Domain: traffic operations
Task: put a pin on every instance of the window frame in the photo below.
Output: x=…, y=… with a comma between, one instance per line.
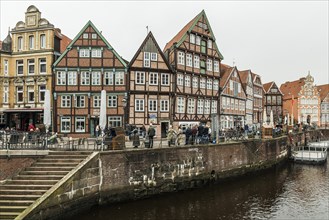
x=152, y=105
x=66, y=124
x=139, y=105
x=82, y=121
x=146, y=59
x=165, y=79
x=140, y=77
x=112, y=101
x=153, y=78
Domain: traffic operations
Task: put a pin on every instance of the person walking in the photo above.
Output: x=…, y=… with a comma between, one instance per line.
x=188, y=134
x=151, y=134
x=135, y=138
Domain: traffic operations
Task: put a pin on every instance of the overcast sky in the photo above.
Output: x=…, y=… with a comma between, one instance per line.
x=279, y=40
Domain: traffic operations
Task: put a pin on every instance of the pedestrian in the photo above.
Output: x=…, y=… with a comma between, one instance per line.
x=188, y=134
x=170, y=136
x=151, y=134
x=180, y=135
x=31, y=127
x=194, y=133
x=200, y=132
x=135, y=138
x=97, y=130
x=143, y=131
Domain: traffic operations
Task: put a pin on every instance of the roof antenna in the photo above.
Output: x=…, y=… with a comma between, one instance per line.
x=147, y=30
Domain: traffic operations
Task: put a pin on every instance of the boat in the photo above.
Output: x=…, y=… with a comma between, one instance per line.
x=313, y=153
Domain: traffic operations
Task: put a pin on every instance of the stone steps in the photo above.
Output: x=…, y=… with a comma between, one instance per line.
x=30, y=184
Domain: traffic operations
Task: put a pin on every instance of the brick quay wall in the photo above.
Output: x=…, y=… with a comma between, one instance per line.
x=116, y=176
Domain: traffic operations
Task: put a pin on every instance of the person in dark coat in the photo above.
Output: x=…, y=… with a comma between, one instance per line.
x=135, y=138
x=151, y=134
x=188, y=134
x=200, y=132
x=194, y=132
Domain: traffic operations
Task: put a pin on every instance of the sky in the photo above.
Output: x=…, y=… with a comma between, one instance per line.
x=279, y=40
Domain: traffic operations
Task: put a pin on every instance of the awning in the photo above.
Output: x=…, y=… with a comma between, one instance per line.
x=17, y=110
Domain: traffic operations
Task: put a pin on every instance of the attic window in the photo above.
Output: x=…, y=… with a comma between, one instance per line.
x=94, y=36
x=198, y=40
x=192, y=38
x=85, y=36
x=202, y=25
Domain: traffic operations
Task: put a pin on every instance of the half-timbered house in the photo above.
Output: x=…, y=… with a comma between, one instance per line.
x=248, y=86
x=258, y=100
x=88, y=66
x=233, y=99
x=273, y=101
x=195, y=58
x=150, y=88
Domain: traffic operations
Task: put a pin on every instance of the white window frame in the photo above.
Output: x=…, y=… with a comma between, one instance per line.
x=42, y=62
x=5, y=94
x=202, y=83
x=200, y=107
x=196, y=61
x=146, y=61
x=209, y=83
x=85, y=36
x=152, y=105
x=180, y=79
x=198, y=40
x=42, y=41
x=115, y=121
x=65, y=101
x=216, y=66
x=20, y=43
x=165, y=79
x=42, y=92
x=84, y=52
x=30, y=64
x=119, y=78
x=96, y=101
x=187, y=81
x=153, y=78
x=30, y=94
x=61, y=78
x=189, y=59
x=154, y=57
x=216, y=85
x=209, y=65
x=140, y=77
x=72, y=78
x=139, y=105
x=209, y=43
x=31, y=42
x=180, y=104
x=181, y=58
x=6, y=67
x=213, y=106
x=80, y=121
x=85, y=78
x=80, y=101
x=164, y=105
x=93, y=36
x=207, y=107
x=192, y=38
x=108, y=78
x=191, y=106
x=95, y=78
x=96, y=52
x=19, y=65
x=195, y=82
x=112, y=101
x=65, y=124
x=19, y=91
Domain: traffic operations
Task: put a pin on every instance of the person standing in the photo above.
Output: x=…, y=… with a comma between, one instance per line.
x=170, y=136
x=188, y=134
x=135, y=138
x=97, y=130
x=194, y=132
x=151, y=134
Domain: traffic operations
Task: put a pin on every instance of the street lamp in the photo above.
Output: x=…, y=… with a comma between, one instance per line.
x=124, y=104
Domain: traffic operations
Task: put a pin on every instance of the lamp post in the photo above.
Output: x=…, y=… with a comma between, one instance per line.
x=124, y=105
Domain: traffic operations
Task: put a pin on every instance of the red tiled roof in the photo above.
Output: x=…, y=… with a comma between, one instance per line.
x=267, y=86
x=180, y=34
x=64, y=43
x=323, y=90
x=292, y=88
x=225, y=74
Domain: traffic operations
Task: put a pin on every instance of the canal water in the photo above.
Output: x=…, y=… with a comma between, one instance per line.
x=291, y=191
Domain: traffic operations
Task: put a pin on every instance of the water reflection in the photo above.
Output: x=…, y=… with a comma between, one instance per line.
x=290, y=192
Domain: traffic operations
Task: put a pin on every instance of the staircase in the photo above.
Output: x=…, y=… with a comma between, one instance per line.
x=24, y=189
